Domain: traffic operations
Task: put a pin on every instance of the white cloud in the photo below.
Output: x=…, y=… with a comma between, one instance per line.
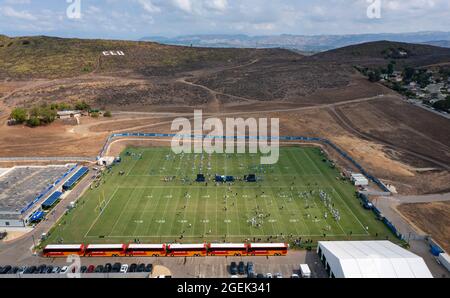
x=148, y=6
x=253, y=17
x=185, y=5
x=219, y=5
x=12, y=13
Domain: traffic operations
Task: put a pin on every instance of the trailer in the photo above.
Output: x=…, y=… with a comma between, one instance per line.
x=305, y=271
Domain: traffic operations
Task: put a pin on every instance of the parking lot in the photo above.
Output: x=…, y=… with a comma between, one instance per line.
x=207, y=267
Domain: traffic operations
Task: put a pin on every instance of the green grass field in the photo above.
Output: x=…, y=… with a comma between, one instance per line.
x=284, y=203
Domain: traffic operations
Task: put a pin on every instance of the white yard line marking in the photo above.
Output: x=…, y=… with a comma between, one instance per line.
x=122, y=212
x=101, y=212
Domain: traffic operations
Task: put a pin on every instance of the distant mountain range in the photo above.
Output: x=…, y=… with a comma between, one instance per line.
x=305, y=43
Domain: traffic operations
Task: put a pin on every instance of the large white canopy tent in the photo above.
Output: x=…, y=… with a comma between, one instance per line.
x=371, y=259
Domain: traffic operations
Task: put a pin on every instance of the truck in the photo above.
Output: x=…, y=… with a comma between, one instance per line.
x=444, y=260
x=305, y=271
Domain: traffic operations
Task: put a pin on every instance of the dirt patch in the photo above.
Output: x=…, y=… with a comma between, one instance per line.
x=432, y=218
x=405, y=126
x=13, y=235
x=373, y=155
x=49, y=141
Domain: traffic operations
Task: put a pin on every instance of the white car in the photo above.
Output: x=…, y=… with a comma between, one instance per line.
x=269, y=275
x=278, y=275
x=124, y=268
x=64, y=270
x=295, y=276
x=234, y=276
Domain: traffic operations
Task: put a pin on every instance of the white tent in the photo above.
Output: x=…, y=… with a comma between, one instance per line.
x=371, y=259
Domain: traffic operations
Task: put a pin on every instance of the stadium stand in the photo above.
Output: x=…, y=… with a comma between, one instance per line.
x=22, y=187
x=75, y=178
x=51, y=201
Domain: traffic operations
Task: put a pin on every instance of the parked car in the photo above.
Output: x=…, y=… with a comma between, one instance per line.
x=250, y=268
x=49, y=270
x=124, y=268
x=107, y=268
x=241, y=268
x=116, y=268
x=260, y=275
x=30, y=270
x=22, y=270
x=41, y=269
x=56, y=270
x=269, y=275
x=14, y=270
x=133, y=268
x=99, y=269
x=149, y=268
x=64, y=270
x=83, y=269
x=295, y=276
x=141, y=268
x=91, y=269
x=233, y=268
x=278, y=275
x=5, y=269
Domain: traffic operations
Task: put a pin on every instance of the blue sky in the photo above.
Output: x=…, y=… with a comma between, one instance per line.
x=133, y=19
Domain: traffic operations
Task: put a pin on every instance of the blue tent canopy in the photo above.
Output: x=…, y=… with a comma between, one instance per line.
x=37, y=216
x=75, y=178
x=52, y=200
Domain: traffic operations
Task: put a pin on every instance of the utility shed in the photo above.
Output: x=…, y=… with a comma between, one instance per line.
x=360, y=180
x=370, y=259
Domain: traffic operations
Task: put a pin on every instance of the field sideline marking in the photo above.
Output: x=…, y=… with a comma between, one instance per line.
x=101, y=212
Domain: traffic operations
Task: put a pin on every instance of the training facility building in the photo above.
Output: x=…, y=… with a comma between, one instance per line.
x=370, y=259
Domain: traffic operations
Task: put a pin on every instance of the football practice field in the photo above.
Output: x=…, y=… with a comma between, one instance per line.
x=151, y=196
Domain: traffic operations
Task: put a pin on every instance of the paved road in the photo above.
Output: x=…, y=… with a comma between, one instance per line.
x=423, y=199
x=428, y=109
x=51, y=159
x=418, y=243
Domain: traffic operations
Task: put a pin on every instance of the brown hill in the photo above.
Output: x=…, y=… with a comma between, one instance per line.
x=51, y=57
x=380, y=53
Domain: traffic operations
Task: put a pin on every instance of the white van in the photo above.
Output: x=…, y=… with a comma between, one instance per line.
x=305, y=271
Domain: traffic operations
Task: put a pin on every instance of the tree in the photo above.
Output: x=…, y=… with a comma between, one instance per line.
x=374, y=76
x=107, y=114
x=82, y=106
x=47, y=115
x=33, y=122
x=19, y=115
x=408, y=73
x=390, y=69
x=443, y=105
